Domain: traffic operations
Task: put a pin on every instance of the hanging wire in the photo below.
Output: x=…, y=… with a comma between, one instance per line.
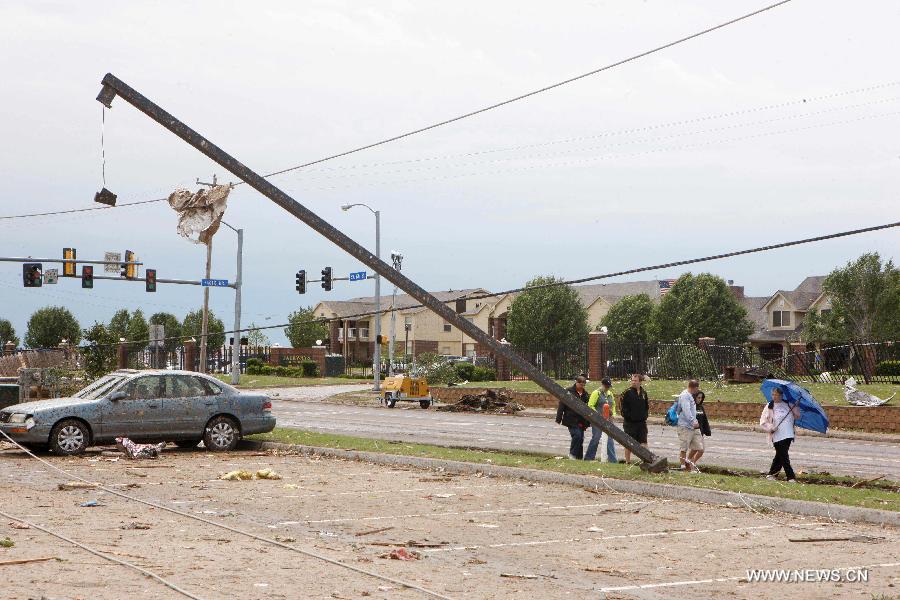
x=102, y=147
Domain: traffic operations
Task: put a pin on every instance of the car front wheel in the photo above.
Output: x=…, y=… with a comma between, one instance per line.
x=69, y=437
x=221, y=434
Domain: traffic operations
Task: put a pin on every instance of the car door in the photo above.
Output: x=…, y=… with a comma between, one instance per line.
x=184, y=409
x=138, y=414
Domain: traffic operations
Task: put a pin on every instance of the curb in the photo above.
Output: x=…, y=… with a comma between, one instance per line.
x=658, y=490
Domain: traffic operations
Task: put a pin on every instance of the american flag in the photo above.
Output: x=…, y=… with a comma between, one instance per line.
x=665, y=285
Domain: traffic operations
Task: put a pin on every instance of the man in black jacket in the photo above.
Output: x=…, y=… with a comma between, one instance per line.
x=635, y=409
x=575, y=422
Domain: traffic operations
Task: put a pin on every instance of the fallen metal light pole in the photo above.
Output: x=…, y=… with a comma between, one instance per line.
x=113, y=86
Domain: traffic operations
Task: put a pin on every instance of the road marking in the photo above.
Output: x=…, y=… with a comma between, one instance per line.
x=598, y=539
x=455, y=513
x=645, y=586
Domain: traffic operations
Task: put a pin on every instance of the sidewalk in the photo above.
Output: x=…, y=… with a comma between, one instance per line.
x=833, y=433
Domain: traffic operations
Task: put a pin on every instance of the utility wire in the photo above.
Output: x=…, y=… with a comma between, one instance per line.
x=78, y=210
x=528, y=94
x=678, y=263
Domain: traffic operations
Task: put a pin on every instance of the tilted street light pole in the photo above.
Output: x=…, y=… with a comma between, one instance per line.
x=397, y=261
x=376, y=358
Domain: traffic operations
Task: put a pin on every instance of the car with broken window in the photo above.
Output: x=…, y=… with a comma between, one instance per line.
x=146, y=406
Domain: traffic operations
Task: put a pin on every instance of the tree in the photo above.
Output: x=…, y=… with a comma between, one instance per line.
x=255, y=337
x=138, y=332
x=50, y=325
x=118, y=325
x=865, y=303
x=304, y=328
x=192, y=326
x=631, y=319
x=701, y=306
x=171, y=329
x=7, y=333
x=100, y=353
x=547, y=319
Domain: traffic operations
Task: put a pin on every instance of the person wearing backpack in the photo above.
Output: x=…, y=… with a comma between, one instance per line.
x=603, y=401
x=575, y=423
x=690, y=439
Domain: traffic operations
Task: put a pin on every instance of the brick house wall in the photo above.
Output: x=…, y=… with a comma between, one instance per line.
x=422, y=346
x=317, y=354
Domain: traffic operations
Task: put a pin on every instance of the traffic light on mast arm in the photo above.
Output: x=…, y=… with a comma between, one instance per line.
x=326, y=279
x=128, y=270
x=381, y=340
x=301, y=282
x=32, y=274
x=150, y=279
x=87, y=277
x=69, y=262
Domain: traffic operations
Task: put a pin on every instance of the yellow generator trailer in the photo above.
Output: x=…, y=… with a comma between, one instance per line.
x=410, y=389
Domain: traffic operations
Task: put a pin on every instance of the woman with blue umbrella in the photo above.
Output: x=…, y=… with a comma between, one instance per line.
x=788, y=405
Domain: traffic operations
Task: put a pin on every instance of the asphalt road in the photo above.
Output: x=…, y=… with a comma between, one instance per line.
x=302, y=408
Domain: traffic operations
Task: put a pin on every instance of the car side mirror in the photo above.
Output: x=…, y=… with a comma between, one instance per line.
x=116, y=396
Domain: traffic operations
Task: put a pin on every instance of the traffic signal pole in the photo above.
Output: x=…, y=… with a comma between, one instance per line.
x=113, y=86
x=236, y=340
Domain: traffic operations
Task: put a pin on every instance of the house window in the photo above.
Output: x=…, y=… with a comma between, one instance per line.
x=448, y=328
x=824, y=312
x=781, y=318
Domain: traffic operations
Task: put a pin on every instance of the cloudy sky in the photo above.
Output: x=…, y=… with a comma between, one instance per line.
x=779, y=127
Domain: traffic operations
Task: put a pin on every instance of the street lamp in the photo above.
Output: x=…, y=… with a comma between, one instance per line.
x=397, y=260
x=376, y=359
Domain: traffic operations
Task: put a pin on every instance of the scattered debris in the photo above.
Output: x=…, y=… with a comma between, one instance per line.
x=606, y=570
x=239, y=475
x=489, y=401
x=518, y=576
x=22, y=561
x=90, y=504
x=135, y=473
x=285, y=540
x=7, y=543
x=267, y=474
x=291, y=486
x=75, y=485
x=135, y=525
x=852, y=538
x=137, y=451
x=865, y=481
x=860, y=398
x=401, y=554
x=595, y=529
x=373, y=531
x=18, y=525
x=476, y=561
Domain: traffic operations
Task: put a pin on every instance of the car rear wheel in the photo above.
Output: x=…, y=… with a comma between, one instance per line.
x=221, y=434
x=390, y=400
x=424, y=403
x=187, y=443
x=69, y=437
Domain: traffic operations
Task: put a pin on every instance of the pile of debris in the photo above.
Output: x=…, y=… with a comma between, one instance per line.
x=488, y=401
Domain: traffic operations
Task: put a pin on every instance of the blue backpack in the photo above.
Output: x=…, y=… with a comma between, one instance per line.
x=671, y=418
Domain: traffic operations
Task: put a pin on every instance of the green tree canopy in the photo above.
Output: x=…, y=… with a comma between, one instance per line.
x=7, y=333
x=547, y=319
x=118, y=325
x=193, y=325
x=255, y=337
x=865, y=303
x=138, y=332
x=172, y=329
x=48, y=326
x=631, y=319
x=701, y=306
x=304, y=329
x=100, y=354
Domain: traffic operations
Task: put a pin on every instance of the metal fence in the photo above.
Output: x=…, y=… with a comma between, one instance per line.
x=871, y=362
x=567, y=363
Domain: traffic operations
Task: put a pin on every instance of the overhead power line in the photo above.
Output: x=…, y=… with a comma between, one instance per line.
x=529, y=94
x=79, y=210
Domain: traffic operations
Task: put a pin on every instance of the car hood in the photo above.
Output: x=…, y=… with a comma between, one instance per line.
x=40, y=405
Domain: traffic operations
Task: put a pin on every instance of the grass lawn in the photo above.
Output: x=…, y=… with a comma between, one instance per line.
x=662, y=389
x=264, y=381
x=834, y=490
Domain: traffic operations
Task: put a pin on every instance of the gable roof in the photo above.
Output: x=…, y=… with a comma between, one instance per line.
x=363, y=304
x=804, y=295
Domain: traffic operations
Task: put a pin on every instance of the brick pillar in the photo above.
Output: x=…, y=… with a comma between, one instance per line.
x=795, y=360
x=9, y=348
x=122, y=356
x=334, y=329
x=705, y=342
x=502, y=366
x=597, y=355
x=190, y=355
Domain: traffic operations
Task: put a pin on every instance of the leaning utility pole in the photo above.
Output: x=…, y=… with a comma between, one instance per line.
x=113, y=86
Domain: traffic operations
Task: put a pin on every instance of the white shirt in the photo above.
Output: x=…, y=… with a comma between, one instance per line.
x=783, y=414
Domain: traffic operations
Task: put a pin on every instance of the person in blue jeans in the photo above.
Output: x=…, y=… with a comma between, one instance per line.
x=603, y=401
x=575, y=423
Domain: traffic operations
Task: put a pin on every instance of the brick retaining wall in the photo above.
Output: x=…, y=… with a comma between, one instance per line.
x=884, y=419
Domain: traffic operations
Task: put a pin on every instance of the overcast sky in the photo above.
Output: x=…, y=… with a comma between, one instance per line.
x=702, y=148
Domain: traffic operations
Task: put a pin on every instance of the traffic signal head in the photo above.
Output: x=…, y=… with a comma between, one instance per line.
x=150, y=279
x=32, y=274
x=129, y=271
x=69, y=264
x=381, y=340
x=301, y=281
x=326, y=279
x=87, y=277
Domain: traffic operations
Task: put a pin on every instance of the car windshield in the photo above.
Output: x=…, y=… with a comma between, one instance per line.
x=99, y=387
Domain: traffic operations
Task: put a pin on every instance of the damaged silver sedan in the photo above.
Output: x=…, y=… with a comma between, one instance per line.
x=148, y=406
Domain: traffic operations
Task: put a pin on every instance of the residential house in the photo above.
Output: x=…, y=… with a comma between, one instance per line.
x=779, y=318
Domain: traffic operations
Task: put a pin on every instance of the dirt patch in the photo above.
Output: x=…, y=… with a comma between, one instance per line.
x=468, y=536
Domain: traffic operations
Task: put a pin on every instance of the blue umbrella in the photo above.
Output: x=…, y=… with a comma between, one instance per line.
x=811, y=414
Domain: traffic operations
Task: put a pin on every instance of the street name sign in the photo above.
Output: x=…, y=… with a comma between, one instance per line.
x=51, y=276
x=112, y=257
x=358, y=276
x=214, y=282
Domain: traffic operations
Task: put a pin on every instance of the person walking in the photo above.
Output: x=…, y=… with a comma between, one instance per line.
x=690, y=440
x=573, y=421
x=603, y=401
x=778, y=421
x=635, y=409
x=705, y=430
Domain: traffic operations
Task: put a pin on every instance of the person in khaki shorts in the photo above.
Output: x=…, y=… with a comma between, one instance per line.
x=690, y=440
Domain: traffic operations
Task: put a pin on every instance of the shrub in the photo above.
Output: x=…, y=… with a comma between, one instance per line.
x=254, y=366
x=435, y=369
x=484, y=374
x=465, y=370
x=888, y=367
x=309, y=368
